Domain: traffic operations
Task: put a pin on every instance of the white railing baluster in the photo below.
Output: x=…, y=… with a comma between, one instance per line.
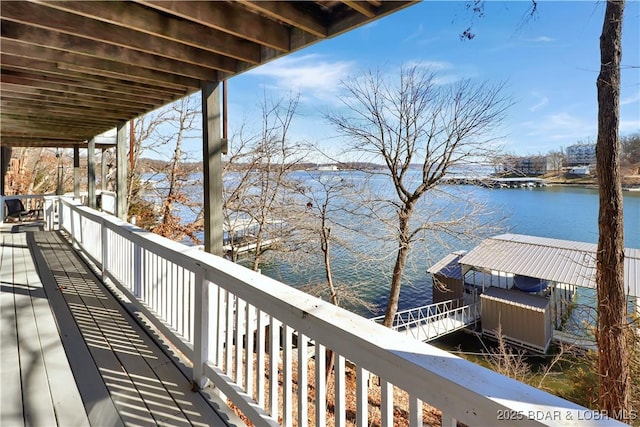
x=239, y=317
x=448, y=421
x=303, y=378
x=250, y=323
x=415, y=412
x=340, y=411
x=321, y=386
x=287, y=377
x=228, y=337
x=222, y=327
x=386, y=403
x=274, y=361
x=362, y=397
x=260, y=358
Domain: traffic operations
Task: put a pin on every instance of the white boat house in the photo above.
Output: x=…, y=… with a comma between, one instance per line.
x=526, y=284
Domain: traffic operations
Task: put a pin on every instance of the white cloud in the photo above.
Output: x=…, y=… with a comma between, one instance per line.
x=417, y=33
x=310, y=74
x=630, y=99
x=541, y=102
x=560, y=127
x=445, y=72
x=541, y=39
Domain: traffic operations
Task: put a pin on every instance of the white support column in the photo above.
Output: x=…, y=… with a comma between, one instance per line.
x=91, y=172
x=212, y=148
x=121, y=172
x=76, y=172
x=5, y=157
x=103, y=170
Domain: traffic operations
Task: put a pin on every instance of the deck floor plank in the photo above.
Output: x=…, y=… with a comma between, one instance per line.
x=36, y=396
x=65, y=396
x=99, y=406
x=11, y=413
x=72, y=355
x=145, y=385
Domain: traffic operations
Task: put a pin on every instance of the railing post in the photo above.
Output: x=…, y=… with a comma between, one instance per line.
x=105, y=249
x=137, y=268
x=1, y=206
x=60, y=213
x=201, y=333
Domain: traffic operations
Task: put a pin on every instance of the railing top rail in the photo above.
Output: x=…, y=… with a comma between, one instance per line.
x=26, y=196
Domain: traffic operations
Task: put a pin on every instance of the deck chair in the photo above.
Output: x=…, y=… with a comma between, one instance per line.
x=15, y=209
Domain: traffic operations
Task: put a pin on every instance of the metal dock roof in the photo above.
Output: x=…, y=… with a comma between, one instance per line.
x=449, y=266
x=562, y=261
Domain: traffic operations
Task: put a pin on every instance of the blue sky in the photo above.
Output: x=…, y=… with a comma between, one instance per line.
x=549, y=63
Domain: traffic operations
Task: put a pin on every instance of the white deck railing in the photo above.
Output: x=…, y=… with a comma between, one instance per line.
x=214, y=310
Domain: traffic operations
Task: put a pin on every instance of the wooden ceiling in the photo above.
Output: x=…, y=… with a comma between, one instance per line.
x=71, y=70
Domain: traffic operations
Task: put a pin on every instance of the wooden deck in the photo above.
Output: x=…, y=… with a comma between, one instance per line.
x=72, y=355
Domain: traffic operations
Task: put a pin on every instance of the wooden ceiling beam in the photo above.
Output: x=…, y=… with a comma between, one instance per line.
x=289, y=14
x=56, y=110
x=67, y=43
x=73, y=99
x=128, y=74
x=41, y=16
x=40, y=81
x=149, y=21
x=361, y=7
x=66, y=101
x=229, y=18
x=45, y=68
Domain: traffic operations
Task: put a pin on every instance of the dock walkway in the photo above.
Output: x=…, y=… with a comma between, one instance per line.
x=433, y=321
x=72, y=355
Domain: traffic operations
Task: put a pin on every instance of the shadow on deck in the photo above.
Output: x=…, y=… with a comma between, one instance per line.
x=72, y=354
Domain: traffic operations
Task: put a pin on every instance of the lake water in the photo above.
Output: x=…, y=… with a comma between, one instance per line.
x=560, y=212
x=556, y=212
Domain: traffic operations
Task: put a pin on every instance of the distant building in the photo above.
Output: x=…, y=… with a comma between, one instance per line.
x=580, y=170
x=581, y=154
x=536, y=165
x=331, y=168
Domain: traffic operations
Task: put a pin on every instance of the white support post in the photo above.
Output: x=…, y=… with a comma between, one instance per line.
x=201, y=338
x=212, y=148
x=76, y=172
x=121, y=171
x=91, y=173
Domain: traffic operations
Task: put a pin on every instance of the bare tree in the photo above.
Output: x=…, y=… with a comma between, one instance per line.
x=161, y=189
x=260, y=191
x=176, y=197
x=615, y=383
x=417, y=122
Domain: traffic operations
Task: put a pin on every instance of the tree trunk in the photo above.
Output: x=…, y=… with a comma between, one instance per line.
x=613, y=365
x=401, y=261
